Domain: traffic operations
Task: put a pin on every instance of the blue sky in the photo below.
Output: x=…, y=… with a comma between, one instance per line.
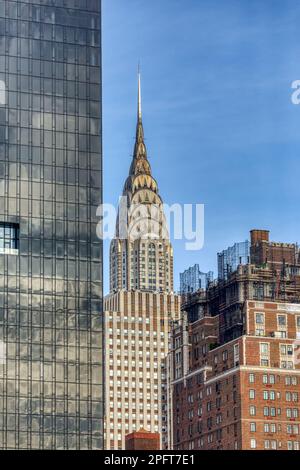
x=219, y=123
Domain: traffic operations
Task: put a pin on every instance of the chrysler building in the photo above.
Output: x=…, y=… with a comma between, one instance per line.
x=139, y=308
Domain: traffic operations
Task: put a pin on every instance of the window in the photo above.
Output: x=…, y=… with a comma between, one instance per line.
x=292, y=428
x=294, y=396
x=286, y=356
x=225, y=355
x=266, y=395
x=282, y=334
x=264, y=354
x=265, y=379
x=281, y=321
x=253, y=443
x=199, y=380
x=282, y=325
x=286, y=349
x=264, y=362
x=252, y=394
x=292, y=412
x=272, y=379
x=292, y=445
x=267, y=445
x=251, y=378
x=266, y=428
x=236, y=353
x=253, y=427
x=9, y=238
x=259, y=318
x=252, y=410
x=273, y=428
x=264, y=348
x=269, y=428
x=199, y=427
x=273, y=445
x=259, y=324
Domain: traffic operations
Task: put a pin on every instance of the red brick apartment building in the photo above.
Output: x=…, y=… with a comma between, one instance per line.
x=234, y=366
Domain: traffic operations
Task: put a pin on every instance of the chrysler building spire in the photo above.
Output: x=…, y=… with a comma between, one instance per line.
x=140, y=164
x=139, y=96
x=143, y=259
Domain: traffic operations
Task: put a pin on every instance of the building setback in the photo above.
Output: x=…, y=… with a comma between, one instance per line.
x=234, y=368
x=51, y=384
x=139, y=308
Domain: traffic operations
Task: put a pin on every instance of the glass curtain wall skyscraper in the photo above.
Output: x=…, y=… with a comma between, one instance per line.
x=50, y=257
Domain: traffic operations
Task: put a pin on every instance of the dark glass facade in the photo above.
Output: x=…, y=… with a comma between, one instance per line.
x=51, y=394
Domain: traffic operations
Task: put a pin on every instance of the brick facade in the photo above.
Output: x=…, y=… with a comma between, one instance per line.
x=213, y=401
x=137, y=326
x=234, y=363
x=263, y=251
